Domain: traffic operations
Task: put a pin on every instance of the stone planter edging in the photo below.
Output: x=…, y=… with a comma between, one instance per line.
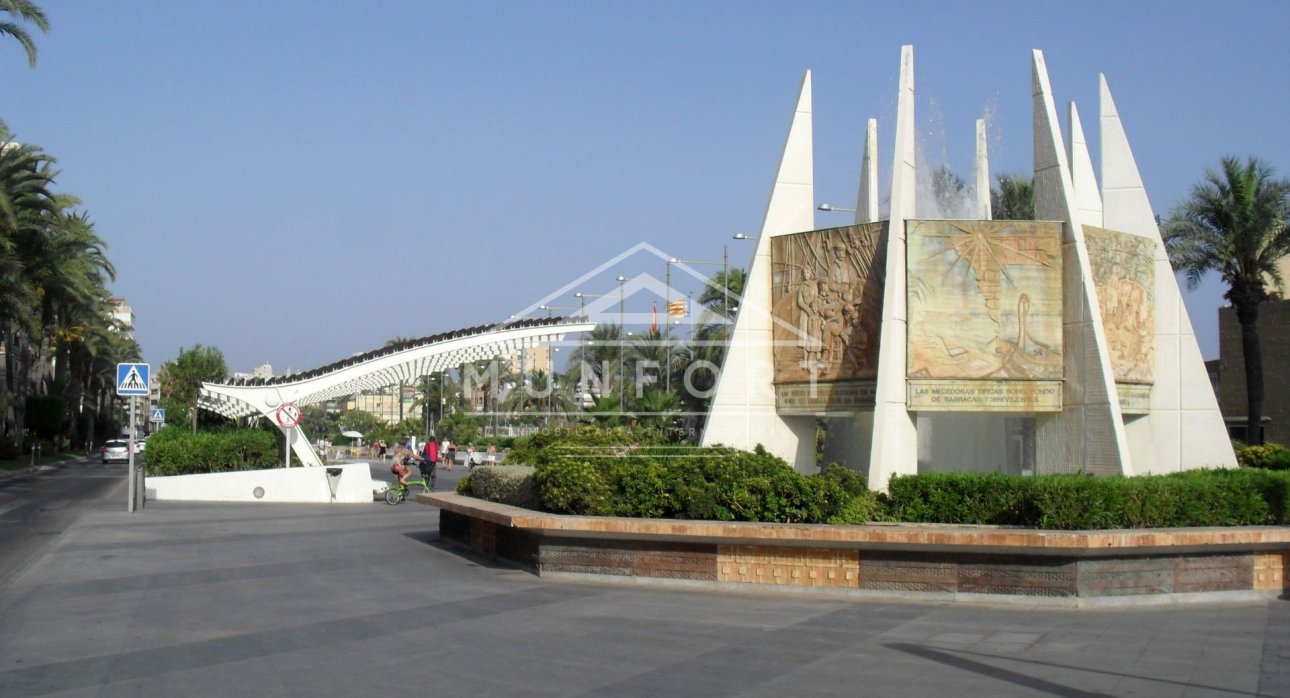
x=926, y=560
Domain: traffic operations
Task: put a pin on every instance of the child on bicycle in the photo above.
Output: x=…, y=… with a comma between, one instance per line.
x=402, y=454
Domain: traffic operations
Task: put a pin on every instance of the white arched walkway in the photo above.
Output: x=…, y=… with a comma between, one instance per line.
x=380, y=368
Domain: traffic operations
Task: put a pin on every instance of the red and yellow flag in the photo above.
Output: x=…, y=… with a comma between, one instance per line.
x=676, y=308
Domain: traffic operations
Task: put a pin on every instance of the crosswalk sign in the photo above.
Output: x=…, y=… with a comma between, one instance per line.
x=158, y=415
x=132, y=379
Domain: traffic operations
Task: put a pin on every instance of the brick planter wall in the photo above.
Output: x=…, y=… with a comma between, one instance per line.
x=953, y=561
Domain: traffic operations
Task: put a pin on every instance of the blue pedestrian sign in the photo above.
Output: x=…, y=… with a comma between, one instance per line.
x=132, y=379
x=158, y=415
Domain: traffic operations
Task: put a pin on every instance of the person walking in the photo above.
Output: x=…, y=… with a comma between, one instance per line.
x=452, y=454
x=429, y=459
x=490, y=457
x=443, y=454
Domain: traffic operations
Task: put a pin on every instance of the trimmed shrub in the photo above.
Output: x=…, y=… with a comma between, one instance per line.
x=718, y=484
x=1266, y=457
x=177, y=451
x=1072, y=502
x=581, y=441
x=505, y=484
x=572, y=486
x=966, y=498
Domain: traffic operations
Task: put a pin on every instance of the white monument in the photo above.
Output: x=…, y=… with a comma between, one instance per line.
x=1055, y=345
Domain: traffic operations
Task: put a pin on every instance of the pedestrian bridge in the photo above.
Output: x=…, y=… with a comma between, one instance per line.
x=404, y=362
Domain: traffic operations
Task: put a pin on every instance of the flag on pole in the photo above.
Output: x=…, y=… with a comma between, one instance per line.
x=653, y=326
x=676, y=308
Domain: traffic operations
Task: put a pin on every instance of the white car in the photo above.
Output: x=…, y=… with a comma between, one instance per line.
x=116, y=451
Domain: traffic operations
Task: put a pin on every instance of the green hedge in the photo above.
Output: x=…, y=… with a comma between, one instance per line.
x=1241, y=497
x=1266, y=457
x=508, y=484
x=177, y=451
x=658, y=481
x=585, y=439
x=596, y=471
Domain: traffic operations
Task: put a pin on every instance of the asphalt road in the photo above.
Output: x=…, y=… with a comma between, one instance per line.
x=203, y=599
x=38, y=507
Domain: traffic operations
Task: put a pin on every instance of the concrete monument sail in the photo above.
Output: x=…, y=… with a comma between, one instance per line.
x=895, y=440
x=743, y=411
x=1183, y=427
x=1088, y=200
x=867, y=200
x=982, y=173
x=1088, y=434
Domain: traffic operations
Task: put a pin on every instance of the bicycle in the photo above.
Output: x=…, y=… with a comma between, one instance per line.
x=396, y=493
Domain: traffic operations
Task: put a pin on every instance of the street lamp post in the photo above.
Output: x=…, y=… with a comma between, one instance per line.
x=582, y=311
x=725, y=289
x=549, y=308
x=550, y=384
x=622, y=384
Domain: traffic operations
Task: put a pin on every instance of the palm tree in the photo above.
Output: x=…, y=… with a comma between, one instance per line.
x=1235, y=223
x=598, y=355
x=27, y=206
x=1014, y=200
x=24, y=11
x=656, y=407
x=727, y=284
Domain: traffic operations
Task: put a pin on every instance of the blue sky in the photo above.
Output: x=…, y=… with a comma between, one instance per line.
x=293, y=182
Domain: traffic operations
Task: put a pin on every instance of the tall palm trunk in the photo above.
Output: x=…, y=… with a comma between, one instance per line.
x=1248, y=315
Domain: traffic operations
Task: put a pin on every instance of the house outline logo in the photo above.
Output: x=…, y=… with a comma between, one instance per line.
x=604, y=306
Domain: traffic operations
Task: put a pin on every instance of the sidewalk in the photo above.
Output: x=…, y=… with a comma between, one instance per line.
x=340, y=600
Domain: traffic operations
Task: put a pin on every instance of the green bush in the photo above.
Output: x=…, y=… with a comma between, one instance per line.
x=506, y=484
x=719, y=484
x=597, y=471
x=574, y=487
x=585, y=440
x=1266, y=457
x=465, y=487
x=1073, y=502
x=961, y=498
x=177, y=451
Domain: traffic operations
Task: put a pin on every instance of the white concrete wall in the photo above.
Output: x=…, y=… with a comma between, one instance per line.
x=354, y=485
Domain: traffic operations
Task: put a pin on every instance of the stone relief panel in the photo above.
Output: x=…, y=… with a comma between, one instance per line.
x=984, y=300
x=1124, y=272
x=826, y=295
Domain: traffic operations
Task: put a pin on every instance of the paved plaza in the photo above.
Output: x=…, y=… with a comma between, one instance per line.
x=342, y=600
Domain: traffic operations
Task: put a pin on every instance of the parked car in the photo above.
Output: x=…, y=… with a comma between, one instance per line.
x=116, y=451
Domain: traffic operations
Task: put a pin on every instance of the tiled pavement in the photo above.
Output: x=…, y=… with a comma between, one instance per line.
x=338, y=600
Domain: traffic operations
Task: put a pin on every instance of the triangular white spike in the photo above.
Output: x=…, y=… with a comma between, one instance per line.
x=1088, y=201
x=895, y=439
x=743, y=405
x=982, y=173
x=867, y=201
x=1184, y=428
x=1088, y=434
